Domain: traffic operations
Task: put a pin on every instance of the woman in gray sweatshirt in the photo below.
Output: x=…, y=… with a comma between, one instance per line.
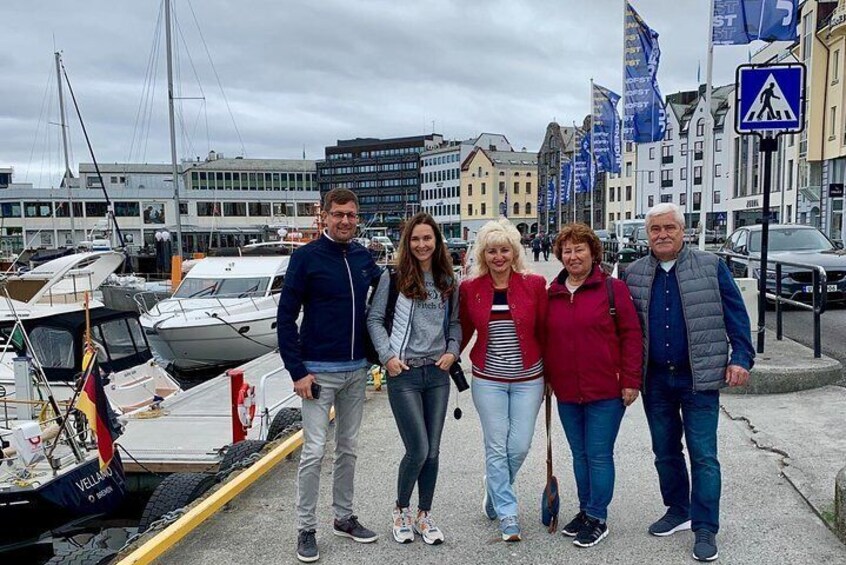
x=413, y=323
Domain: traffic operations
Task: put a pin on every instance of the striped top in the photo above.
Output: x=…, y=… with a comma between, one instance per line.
x=504, y=359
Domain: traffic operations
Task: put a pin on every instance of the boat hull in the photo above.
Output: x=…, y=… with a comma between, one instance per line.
x=190, y=347
x=81, y=493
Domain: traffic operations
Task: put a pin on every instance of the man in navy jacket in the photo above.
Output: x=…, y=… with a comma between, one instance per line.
x=328, y=279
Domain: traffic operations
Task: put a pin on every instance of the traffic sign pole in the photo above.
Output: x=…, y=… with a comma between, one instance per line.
x=769, y=145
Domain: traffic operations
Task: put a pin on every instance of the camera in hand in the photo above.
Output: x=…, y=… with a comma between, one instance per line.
x=457, y=375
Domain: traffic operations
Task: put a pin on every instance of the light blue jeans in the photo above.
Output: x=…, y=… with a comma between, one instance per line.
x=508, y=412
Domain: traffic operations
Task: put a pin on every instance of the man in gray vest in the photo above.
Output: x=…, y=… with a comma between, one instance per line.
x=696, y=340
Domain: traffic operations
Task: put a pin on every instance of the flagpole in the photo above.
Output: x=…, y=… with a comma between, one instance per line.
x=623, y=119
x=559, y=195
x=572, y=189
x=592, y=156
x=576, y=146
x=707, y=166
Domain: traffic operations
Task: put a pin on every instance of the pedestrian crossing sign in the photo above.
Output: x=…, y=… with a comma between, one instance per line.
x=770, y=98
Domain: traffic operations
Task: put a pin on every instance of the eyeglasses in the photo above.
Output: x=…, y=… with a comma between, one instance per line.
x=351, y=216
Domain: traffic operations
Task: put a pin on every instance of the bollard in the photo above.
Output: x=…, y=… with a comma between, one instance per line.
x=236, y=381
x=175, y=271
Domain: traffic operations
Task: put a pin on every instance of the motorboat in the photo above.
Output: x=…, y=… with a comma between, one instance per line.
x=223, y=313
x=49, y=301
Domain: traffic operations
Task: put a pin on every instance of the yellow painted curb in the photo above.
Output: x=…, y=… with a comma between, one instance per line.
x=164, y=540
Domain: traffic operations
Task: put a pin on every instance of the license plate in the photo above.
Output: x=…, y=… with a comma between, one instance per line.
x=831, y=288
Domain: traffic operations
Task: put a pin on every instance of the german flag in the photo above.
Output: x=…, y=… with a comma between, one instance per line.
x=93, y=403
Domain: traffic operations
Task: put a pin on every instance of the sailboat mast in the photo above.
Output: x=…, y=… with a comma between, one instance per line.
x=177, y=250
x=64, y=126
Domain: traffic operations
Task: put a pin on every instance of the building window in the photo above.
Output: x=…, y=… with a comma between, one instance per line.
x=234, y=209
x=516, y=208
x=208, y=209
x=259, y=209
x=718, y=170
x=40, y=209
x=683, y=199
x=666, y=198
x=666, y=178
x=650, y=175
x=628, y=169
x=697, y=174
x=483, y=192
x=718, y=144
x=516, y=188
x=305, y=209
x=683, y=173
x=469, y=190
x=528, y=187
x=832, y=123
x=697, y=150
x=93, y=182
x=835, y=66
x=700, y=127
x=183, y=208
x=651, y=153
x=650, y=201
x=789, y=184
x=127, y=209
x=528, y=208
x=61, y=210
x=469, y=209
x=95, y=209
x=697, y=200
x=502, y=187
x=668, y=134
x=716, y=197
x=484, y=209
x=683, y=149
x=611, y=194
x=628, y=194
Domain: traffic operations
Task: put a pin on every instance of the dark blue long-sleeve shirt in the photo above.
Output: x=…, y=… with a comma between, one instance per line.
x=668, y=347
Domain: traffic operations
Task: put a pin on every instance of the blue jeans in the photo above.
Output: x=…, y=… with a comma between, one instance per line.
x=419, y=399
x=507, y=412
x=672, y=409
x=591, y=431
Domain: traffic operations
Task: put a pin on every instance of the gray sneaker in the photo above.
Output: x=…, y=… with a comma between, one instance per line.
x=307, y=546
x=668, y=525
x=705, y=547
x=352, y=528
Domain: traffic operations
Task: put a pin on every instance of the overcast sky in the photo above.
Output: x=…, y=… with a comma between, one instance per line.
x=300, y=74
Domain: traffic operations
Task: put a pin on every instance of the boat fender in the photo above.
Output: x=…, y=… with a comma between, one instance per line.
x=247, y=405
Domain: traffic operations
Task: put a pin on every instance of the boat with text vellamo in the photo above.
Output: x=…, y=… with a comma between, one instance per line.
x=222, y=314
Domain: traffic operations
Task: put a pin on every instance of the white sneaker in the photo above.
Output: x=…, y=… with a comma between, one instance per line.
x=402, y=529
x=427, y=529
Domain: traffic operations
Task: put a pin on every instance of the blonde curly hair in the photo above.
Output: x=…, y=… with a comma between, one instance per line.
x=498, y=232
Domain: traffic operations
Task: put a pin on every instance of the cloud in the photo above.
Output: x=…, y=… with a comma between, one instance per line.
x=301, y=74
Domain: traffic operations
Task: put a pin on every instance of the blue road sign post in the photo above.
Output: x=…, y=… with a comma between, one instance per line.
x=770, y=102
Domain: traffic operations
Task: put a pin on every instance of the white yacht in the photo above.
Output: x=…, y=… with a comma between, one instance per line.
x=223, y=313
x=49, y=302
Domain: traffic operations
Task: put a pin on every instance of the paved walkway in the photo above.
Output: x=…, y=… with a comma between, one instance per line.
x=764, y=518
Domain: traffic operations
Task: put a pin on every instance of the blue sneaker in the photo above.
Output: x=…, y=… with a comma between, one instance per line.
x=705, y=547
x=487, y=502
x=668, y=525
x=510, y=528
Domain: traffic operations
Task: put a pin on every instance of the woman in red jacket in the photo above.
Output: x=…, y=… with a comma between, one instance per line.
x=506, y=307
x=593, y=363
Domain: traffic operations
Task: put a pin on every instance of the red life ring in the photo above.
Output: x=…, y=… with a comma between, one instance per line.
x=246, y=405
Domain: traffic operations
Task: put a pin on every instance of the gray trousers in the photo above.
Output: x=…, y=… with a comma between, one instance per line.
x=346, y=392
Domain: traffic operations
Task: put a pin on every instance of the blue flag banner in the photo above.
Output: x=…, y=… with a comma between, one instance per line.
x=606, y=130
x=739, y=22
x=644, y=118
x=585, y=172
x=550, y=195
x=566, y=181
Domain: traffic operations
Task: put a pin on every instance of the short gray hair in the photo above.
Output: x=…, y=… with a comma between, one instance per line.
x=666, y=208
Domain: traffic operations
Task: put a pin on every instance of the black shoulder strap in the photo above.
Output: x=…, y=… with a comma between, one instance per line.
x=393, y=294
x=609, y=288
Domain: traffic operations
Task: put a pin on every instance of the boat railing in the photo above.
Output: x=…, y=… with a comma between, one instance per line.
x=198, y=304
x=262, y=410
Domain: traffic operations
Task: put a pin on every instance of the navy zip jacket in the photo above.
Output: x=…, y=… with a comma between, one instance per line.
x=329, y=281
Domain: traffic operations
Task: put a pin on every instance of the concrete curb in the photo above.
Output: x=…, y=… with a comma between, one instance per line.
x=788, y=366
x=840, y=505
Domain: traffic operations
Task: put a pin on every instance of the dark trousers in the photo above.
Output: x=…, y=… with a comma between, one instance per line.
x=591, y=430
x=419, y=399
x=537, y=254
x=673, y=409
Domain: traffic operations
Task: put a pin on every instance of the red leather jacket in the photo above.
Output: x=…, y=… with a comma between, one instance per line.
x=587, y=358
x=527, y=300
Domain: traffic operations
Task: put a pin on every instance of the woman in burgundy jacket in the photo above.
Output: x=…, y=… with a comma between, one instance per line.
x=593, y=363
x=506, y=307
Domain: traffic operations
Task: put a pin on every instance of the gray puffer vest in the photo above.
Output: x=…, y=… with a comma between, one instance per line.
x=708, y=347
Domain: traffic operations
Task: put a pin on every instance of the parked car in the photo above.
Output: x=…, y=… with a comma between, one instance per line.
x=795, y=243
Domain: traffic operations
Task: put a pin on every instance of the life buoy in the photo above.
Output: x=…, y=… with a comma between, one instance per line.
x=246, y=405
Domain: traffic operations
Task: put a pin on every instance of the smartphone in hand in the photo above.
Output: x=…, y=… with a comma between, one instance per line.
x=315, y=390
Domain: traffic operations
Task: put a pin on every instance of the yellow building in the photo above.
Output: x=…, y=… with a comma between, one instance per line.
x=496, y=184
x=821, y=151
